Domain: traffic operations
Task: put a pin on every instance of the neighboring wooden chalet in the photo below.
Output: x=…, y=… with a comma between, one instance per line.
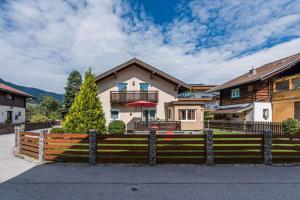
x=252, y=96
x=135, y=83
x=12, y=104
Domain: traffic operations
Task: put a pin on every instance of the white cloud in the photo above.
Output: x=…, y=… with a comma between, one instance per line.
x=42, y=41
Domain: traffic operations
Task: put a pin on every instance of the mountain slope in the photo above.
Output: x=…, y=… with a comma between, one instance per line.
x=37, y=93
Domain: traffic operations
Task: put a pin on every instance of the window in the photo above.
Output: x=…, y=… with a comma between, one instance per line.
x=187, y=115
x=122, y=86
x=265, y=114
x=235, y=93
x=19, y=113
x=169, y=113
x=149, y=115
x=144, y=87
x=296, y=83
x=9, y=96
x=283, y=85
x=114, y=115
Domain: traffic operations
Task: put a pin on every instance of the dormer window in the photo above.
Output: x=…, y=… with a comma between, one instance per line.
x=235, y=93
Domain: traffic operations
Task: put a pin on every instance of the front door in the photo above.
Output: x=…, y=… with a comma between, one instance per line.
x=297, y=111
x=9, y=116
x=149, y=114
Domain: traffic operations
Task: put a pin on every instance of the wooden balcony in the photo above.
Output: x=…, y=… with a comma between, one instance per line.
x=157, y=125
x=286, y=95
x=132, y=96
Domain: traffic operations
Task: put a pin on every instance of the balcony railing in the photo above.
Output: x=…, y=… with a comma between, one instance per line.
x=132, y=96
x=158, y=125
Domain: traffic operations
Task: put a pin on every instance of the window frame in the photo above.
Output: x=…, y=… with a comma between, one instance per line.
x=282, y=81
x=235, y=93
x=114, y=110
x=148, y=88
x=123, y=84
x=186, y=114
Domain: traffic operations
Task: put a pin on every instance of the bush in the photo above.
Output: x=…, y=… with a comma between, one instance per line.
x=38, y=118
x=291, y=126
x=57, y=130
x=117, y=127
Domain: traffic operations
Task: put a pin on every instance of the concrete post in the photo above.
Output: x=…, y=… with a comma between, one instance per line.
x=267, y=149
x=209, y=146
x=93, y=147
x=41, y=146
x=152, y=147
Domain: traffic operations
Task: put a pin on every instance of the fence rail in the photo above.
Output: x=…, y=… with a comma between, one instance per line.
x=29, y=144
x=163, y=148
x=245, y=127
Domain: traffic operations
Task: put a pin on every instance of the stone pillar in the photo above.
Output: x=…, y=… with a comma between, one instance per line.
x=209, y=146
x=152, y=147
x=93, y=147
x=41, y=146
x=267, y=149
x=17, y=139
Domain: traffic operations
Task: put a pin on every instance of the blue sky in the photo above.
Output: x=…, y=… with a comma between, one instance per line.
x=196, y=41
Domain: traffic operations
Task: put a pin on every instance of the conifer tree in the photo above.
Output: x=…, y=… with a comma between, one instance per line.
x=72, y=88
x=86, y=112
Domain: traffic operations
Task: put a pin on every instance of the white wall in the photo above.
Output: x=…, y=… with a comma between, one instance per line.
x=15, y=110
x=258, y=108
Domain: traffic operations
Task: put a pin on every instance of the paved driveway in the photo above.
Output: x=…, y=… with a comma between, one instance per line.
x=162, y=182
x=26, y=180
x=10, y=166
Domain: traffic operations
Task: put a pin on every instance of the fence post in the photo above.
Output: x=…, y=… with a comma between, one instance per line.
x=17, y=139
x=267, y=147
x=93, y=146
x=209, y=146
x=152, y=147
x=41, y=146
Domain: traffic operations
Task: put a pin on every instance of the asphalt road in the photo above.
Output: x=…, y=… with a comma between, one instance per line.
x=160, y=182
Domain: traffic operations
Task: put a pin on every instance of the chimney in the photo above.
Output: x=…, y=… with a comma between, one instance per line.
x=252, y=71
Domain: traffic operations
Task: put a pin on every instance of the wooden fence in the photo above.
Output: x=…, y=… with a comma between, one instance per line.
x=181, y=149
x=245, y=127
x=176, y=148
x=66, y=147
x=29, y=144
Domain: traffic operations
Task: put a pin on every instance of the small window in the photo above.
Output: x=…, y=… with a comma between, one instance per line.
x=114, y=115
x=187, y=115
x=19, y=113
x=122, y=86
x=144, y=87
x=283, y=85
x=235, y=93
x=266, y=114
x=9, y=96
x=169, y=113
x=296, y=83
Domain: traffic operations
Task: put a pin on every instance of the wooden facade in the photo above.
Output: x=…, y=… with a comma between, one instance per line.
x=258, y=91
x=286, y=103
x=13, y=100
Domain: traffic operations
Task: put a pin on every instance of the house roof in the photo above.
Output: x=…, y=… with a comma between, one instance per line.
x=145, y=66
x=262, y=73
x=9, y=89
